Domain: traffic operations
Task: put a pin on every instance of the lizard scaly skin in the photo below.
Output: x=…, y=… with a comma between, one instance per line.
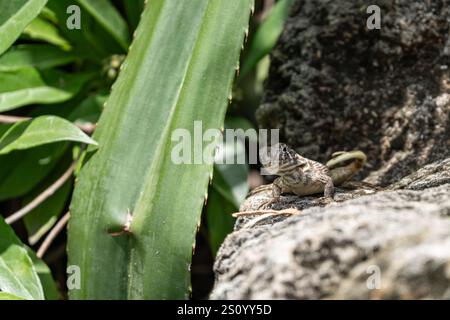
x=303, y=176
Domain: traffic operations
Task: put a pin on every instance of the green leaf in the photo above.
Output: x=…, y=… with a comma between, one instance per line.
x=42, y=29
x=49, y=15
x=230, y=180
x=40, y=220
x=15, y=15
x=231, y=168
x=39, y=131
x=26, y=86
x=9, y=296
x=17, y=273
x=89, y=110
x=45, y=275
x=238, y=123
x=180, y=69
x=65, y=108
x=219, y=219
x=40, y=56
x=266, y=36
x=5, y=127
x=21, y=171
x=134, y=10
x=229, y=185
x=92, y=39
x=109, y=18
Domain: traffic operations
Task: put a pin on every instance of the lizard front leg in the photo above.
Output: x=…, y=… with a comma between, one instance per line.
x=328, y=190
x=277, y=188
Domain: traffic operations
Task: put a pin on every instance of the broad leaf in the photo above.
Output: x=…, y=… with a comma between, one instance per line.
x=49, y=15
x=15, y=15
x=231, y=179
x=45, y=275
x=92, y=39
x=134, y=10
x=229, y=186
x=17, y=273
x=109, y=18
x=40, y=220
x=39, y=131
x=40, y=56
x=9, y=296
x=267, y=35
x=219, y=219
x=5, y=127
x=231, y=168
x=42, y=29
x=21, y=171
x=180, y=69
x=88, y=111
x=26, y=86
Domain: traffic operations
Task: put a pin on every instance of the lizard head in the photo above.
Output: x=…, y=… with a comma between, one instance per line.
x=280, y=159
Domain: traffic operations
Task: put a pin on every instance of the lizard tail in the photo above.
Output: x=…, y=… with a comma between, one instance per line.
x=343, y=173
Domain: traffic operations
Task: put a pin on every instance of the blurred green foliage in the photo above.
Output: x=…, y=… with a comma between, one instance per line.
x=61, y=78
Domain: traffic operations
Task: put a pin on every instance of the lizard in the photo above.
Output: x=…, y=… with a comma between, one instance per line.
x=302, y=176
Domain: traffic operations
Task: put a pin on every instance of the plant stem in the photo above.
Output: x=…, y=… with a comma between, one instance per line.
x=52, y=235
x=43, y=196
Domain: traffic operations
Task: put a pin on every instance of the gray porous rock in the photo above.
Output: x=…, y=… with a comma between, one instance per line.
x=390, y=244
x=334, y=85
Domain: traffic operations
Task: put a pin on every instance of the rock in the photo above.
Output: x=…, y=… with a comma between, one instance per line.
x=334, y=85
x=391, y=244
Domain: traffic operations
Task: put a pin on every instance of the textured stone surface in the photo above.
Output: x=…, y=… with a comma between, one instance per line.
x=334, y=85
x=331, y=251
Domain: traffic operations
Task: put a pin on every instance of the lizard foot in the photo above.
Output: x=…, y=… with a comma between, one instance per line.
x=327, y=200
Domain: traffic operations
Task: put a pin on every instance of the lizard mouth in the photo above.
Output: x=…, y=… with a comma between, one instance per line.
x=279, y=159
